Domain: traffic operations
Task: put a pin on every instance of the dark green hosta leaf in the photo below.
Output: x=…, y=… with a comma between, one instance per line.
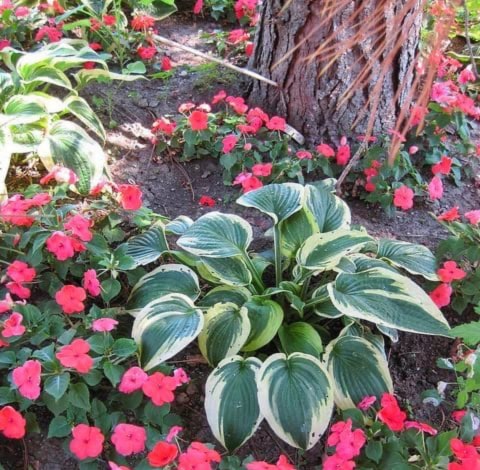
x=224, y=294
x=358, y=369
x=231, y=402
x=296, y=398
x=230, y=271
x=148, y=246
x=179, y=225
x=387, y=298
x=300, y=337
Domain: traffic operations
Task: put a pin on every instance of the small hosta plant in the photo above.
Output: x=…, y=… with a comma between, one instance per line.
x=290, y=331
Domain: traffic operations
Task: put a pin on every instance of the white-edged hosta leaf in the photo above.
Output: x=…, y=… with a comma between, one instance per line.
x=355, y=328
x=5, y=145
x=224, y=294
x=357, y=369
x=164, y=327
x=392, y=333
x=296, y=398
x=148, y=246
x=265, y=317
x=231, y=402
x=363, y=262
x=47, y=74
x=179, y=225
x=216, y=235
x=295, y=230
x=67, y=144
x=300, y=337
x=386, y=298
x=230, y=271
x=83, y=76
x=323, y=251
x=279, y=201
x=22, y=109
x=414, y=258
x=166, y=279
x=328, y=211
x=84, y=113
x=323, y=304
x=225, y=331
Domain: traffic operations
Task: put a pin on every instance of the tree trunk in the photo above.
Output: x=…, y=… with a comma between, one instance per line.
x=312, y=103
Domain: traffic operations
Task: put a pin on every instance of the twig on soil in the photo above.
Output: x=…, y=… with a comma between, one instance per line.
x=25, y=455
x=351, y=163
x=466, y=20
x=211, y=58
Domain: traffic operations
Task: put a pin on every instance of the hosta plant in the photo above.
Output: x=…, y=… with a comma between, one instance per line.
x=291, y=331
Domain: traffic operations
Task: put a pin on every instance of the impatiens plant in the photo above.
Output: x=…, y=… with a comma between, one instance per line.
x=284, y=329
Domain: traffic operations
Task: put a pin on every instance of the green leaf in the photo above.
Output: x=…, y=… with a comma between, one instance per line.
x=67, y=144
x=179, y=225
x=358, y=369
x=225, y=331
x=296, y=398
x=279, y=201
x=84, y=113
x=374, y=451
x=231, y=402
x=59, y=427
x=388, y=299
x=6, y=396
x=110, y=289
x=113, y=372
x=416, y=259
x=223, y=294
x=79, y=396
x=56, y=385
x=469, y=332
x=216, y=235
x=323, y=251
x=300, y=337
x=148, y=246
x=164, y=327
x=22, y=109
x=167, y=279
x=230, y=271
x=124, y=347
x=265, y=317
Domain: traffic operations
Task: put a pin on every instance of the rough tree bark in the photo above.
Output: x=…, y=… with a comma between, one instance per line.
x=310, y=102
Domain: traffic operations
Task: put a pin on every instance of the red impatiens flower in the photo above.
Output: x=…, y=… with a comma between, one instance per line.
x=71, y=298
x=162, y=454
x=80, y=227
x=237, y=103
x=90, y=282
x=220, y=96
x=18, y=289
x=435, y=188
x=249, y=48
x=304, y=155
x=325, y=150
x=423, y=427
x=335, y=462
x=53, y=33
x=441, y=295
x=75, y=356
x=276, y=123
x=27, y=379
x=229, y=143
x=146, y=53
x=12, y=326
x=198, y=120
x=262, y=169
x=166, y=64
x=391, y=414
x=129, y=439
x=403, y=198
x=130, y=196
x=60, y=245
x=140, y=22
x=96, y=46
x=461, y=450
x=104, y=324
x=87, y=441
x=343, y=154
x=443, y=166
x=473, y=216
x=19, y=271
x=12, y=423
x=282, y=464
x=198, y=455
x=60, y=174
x=207, y=201
x=4, y=43
x=164, y=125
x=248, y=181
x=109, y=20
x=450, y=272
x=458, y=415
x=347, y=442
x=132, y=380
x=450, y=215
x=159, y=388
x=197, y=8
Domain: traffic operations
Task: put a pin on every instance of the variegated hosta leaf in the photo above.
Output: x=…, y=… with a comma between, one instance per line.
x=225, y=331
x=323, y=304
x=363, y=262
x=148, y=246
x=296, y=398
x=300, y=337
x=22, y=109
x=328, y=211
x=231, y=271
x=179, y=225
x=67, y=144
x=358, y=369
x=279, y=201
x=216, y=235
x=357, y=329
x=323, y=251
x=265, y=317
x=84, y=113
x=416, y=259
x=224, y=294
x=392, y=333
x=388, y=299
x=5, y=145
x=231, y=402
x=166, y=279
x=164, y=327
x=295, y=230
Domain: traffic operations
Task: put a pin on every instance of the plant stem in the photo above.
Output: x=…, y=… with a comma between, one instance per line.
x=305, y=286
x=277, y=242
x=256, y=279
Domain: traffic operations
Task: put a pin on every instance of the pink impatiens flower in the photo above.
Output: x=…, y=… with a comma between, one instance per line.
x=90, y=283
x=403, y=198
x=27, y=379
x=435, y=188
x=132, y=380
x=129, y=439
x=13, y=326
x=104, y=324
x=87, y=441
x=159, y=388
x=441, y=295
x=473, y=216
